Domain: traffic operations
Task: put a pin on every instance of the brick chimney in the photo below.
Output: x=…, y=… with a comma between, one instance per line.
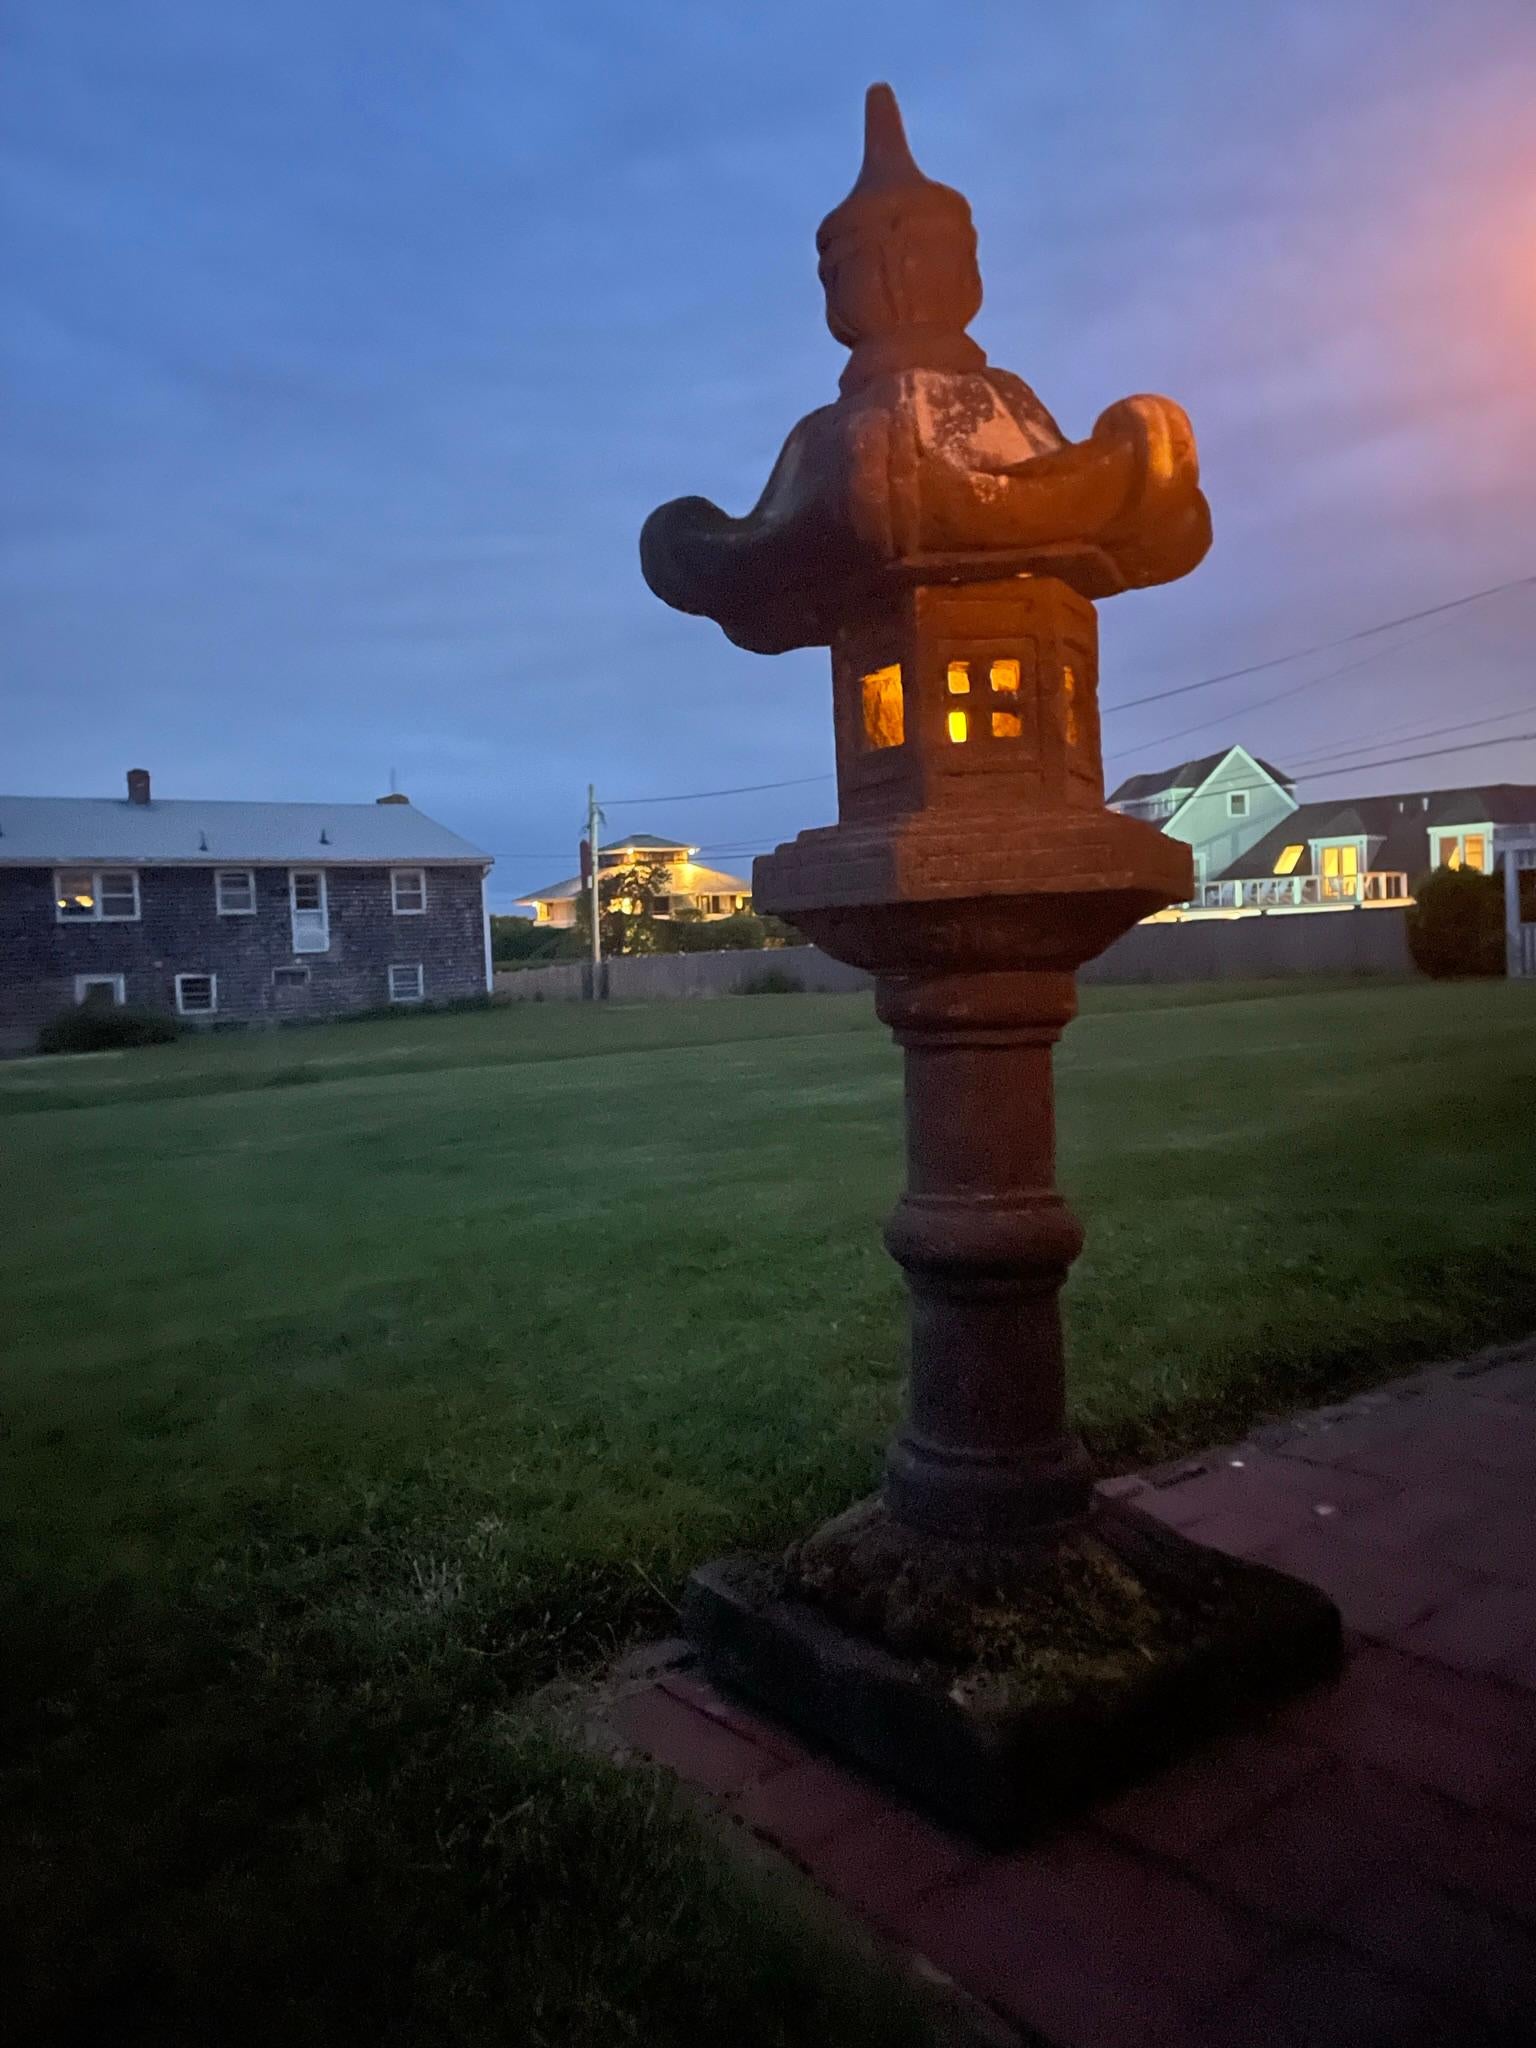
x=138, y=785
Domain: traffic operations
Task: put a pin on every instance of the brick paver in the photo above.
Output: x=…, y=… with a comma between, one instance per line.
x=1360, y=1869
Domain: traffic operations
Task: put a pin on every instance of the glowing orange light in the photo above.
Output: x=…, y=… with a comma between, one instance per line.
x=1007, y=725
x=959, y=727
x=958, y=676
x=884, y=715
x=1005, y=675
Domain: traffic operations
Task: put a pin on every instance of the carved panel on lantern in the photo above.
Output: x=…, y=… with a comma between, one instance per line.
x=990, y=706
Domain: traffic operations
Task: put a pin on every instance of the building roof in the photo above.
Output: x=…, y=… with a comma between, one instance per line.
x=1187, y=775
x=57, y=831
x=643, y=842
x=1400, y=825
x=702, y=881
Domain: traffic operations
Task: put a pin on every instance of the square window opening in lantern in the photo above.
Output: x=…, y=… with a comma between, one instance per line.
x=883, y=707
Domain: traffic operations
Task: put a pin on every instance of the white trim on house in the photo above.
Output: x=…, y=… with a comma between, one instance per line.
x=246, y=881
x=208, y=1009
x=407, y=992
x=398, y=887
x=115, y=982
x=67, y=904
x=1519, y=850
x=485, y=921
x=311, y=922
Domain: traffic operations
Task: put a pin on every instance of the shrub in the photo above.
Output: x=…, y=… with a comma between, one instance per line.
x=90, y=1027
x=1456, y=923
x=741, y=932
x=773, y=981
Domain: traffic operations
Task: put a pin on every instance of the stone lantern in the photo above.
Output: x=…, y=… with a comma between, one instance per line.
x=986, y=1631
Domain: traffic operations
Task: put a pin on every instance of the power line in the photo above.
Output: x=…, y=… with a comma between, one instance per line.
x=689, y=796
x=1432, y=732
x=1507, y=739
x=1279, y=696
x=1254, y=668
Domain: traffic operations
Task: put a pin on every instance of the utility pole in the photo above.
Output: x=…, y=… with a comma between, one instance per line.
x=593, y=814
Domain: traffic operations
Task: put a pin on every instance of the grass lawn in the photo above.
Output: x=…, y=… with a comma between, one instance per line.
x=358, y=1381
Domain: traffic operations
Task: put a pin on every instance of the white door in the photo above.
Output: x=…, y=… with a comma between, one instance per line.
x=311, y=916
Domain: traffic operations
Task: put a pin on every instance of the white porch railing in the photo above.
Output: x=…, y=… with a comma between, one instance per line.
x=1303, y=892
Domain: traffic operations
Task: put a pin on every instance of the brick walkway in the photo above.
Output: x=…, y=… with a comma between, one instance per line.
x=1361, y=1869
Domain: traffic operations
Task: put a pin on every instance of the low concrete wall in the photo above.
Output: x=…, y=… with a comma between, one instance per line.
x=660, y=977
x=1207, y=949
x=1262, y=948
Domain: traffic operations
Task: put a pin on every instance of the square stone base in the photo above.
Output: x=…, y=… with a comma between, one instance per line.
x=1001, y=1748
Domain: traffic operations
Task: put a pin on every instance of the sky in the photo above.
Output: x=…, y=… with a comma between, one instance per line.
x=349, y=343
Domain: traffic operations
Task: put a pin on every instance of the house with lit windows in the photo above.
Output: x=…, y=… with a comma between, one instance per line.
x=682, y=883
x=251, y=912
x=1257, y=848
x=1219, y=805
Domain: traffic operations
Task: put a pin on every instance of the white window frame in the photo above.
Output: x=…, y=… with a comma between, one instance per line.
x=1320, y=850
x=415, y=967
x=212, y=980
x=97, y=915
x=1237, y=803
x=115, y=982
x=303, y=940
x=408, y=909
x=234, y=910
x=1457, y=836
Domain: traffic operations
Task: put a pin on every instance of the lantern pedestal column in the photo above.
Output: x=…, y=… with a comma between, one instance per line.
x=987, y=1632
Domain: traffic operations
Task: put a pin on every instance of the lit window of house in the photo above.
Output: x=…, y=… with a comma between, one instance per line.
x=1289, y=856
x=1341, y=871
x=1462, y=850
x=96, y=895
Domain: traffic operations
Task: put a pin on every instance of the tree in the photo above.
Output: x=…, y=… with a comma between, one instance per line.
x=1456, y=923
x=520, y=942
x=778, y=931
x=627, y=908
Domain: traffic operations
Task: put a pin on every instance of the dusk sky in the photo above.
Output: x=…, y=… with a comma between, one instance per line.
x=350, y=341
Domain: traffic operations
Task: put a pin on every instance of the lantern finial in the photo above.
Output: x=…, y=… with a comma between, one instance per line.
x=887, y=155
x=898, y=260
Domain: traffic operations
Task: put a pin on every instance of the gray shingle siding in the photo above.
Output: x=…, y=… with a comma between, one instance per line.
x=180, y=931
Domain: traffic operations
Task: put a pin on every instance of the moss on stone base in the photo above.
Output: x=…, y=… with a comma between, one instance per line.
x=1002, y=1687
x=1103, y=1601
